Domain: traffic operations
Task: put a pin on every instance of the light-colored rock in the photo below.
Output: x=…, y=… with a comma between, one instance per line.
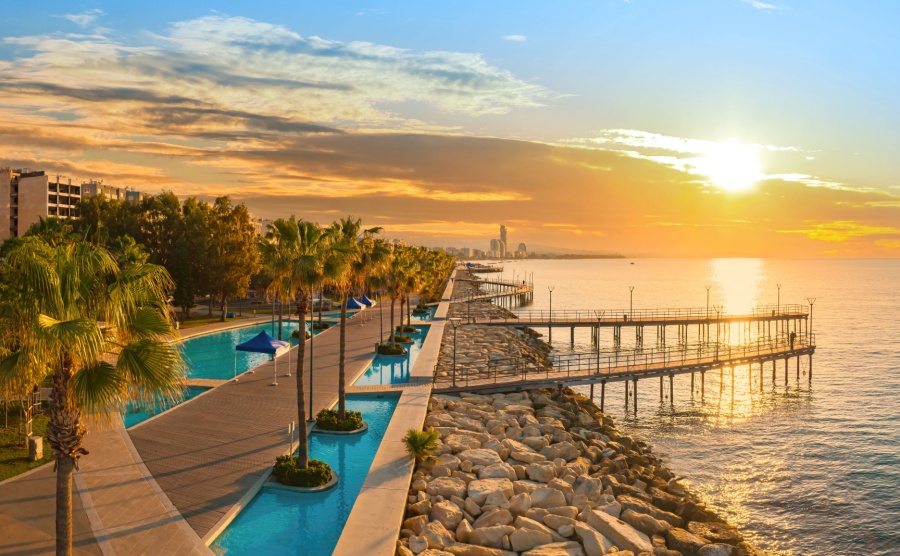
x=554, y=521
x=460, y=443
x=547, y=498
x=523, y=522
x=493, y=517
x=527, y=457
x=463, y=531
x=613, y=508
x=542, y=472
x=447, y=514
x=715, y=532
x=563, y=487
x=536, y=443
x=416, y=524
x=479, y=489
x=717, y=549
x=417, y=544
x=460, y=549
x=497, y=471
x=496, y=499
x=491, y=537
x=556, y=549
x=481, y=456
x=420, y=508
x=526, y=539
x=595, y=544
x=644, y=523
x=419, y=485
x=565, y=511
x=566, y=531
x=449, y=461
x=471, y=507
x=403, y=550
x=437, y=535
x=620, y=533
x=675, y=488
x=447, y=487
x=684, y=542
x=439, y=470
x=520, y=503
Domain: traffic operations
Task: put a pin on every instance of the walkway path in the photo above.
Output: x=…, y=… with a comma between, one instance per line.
x=208, y=453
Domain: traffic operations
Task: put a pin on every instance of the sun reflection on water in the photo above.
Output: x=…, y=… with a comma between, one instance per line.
x=736, y=283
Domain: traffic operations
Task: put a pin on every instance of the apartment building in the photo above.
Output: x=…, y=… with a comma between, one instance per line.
x=27, y=196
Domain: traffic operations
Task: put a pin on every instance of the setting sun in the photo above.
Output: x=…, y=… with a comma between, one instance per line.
x=731, y=166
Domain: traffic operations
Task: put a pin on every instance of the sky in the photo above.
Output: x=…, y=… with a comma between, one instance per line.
x=696, y=128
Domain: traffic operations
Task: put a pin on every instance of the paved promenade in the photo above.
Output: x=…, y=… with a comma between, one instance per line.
x=208, y=453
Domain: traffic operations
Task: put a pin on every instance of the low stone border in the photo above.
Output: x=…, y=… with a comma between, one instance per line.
x=360, y=430
x=272, y=482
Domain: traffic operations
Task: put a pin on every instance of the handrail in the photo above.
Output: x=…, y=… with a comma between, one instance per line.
x=642, y=315
x=605, y=362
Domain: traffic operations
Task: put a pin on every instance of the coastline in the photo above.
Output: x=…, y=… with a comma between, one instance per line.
x=544, y=473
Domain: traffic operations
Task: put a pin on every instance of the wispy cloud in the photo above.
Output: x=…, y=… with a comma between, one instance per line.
x=763, y=5
x=515, y=38
x=84, y=18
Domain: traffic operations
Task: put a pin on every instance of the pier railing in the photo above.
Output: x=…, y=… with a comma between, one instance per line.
x=605, y=363
x=647, y=315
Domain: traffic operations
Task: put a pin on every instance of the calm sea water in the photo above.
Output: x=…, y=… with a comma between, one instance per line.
x=803, y=468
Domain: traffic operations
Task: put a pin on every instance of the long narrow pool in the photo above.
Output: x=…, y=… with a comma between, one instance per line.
x=283, y=522
x=395, y=370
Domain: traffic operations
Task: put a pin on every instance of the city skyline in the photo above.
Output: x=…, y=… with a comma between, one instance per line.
x=711, y=128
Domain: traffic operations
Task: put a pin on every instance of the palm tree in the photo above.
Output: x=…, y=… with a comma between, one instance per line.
x=300, y=268
x=279, y=239
x=101, y=331
x=350, y=242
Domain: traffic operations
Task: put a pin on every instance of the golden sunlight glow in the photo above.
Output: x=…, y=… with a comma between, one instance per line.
x=731, y=166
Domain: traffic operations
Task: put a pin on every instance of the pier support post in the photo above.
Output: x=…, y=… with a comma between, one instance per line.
x=592, y=392
x=786, y=367
x=617, y=337
x=773, y=370
x=672, y=389
x=692, y=385
x=702, y=384
x=660, y=389
x=602, y=394
x=810, y=369
x=626, y=394
x=572, y=333
x=635, y=395
x=798, y=370
x=639, y=337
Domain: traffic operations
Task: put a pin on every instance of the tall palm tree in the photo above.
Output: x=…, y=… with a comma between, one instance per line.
x=350, y=244
x=300, y=268
x=101, y=331
x=280, y=238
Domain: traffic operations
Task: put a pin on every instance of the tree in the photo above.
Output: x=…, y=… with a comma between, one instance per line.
x=347, y=250
x=190, y=257
x=101, y=331
x=300, y=268
x=233, y=256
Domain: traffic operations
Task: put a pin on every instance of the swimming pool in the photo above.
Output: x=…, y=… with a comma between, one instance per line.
x=136, y=413
x=283, y=522
x=394, y=370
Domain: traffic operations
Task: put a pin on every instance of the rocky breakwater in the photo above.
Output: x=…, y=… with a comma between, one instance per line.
x=476, y=344
x=546, y=474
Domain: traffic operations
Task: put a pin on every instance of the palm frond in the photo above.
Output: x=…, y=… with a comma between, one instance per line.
x=99, y=388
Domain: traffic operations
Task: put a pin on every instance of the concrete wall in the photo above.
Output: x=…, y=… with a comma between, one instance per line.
x=32, y=201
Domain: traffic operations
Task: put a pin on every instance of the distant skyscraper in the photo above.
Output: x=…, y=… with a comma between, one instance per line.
x=495, y=245
x=522, y=248
x=503, y=243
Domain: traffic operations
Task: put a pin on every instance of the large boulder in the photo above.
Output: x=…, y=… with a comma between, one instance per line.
x=715, y=532
x=542, y=472
x=460, y=443
x=416, y=524
x=523, y=522
x=460, y=549
x=437, y=535
x=718, y=549
x=497, y=471
x=684, y=542
x=481, y=456
x=595, y=544
x=642, y=507
x=520, y=503
x=491, y=537
x=620, y=533
x=547, y=498
x=493, y=517
x=645, y=524
x=479, y=490
x=526, y=539
x=447, y=487
x=447, y=514
x=557, y=549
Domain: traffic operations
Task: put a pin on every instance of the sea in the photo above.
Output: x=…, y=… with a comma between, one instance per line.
x=807, y=467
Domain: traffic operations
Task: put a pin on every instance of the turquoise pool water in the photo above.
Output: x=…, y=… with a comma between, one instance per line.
x=212, y=355
x=394, y=370
x=136, y=413
x=283, y=522
x=431, y=310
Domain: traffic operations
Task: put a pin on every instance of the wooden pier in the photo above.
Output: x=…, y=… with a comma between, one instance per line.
x=506, y=293
x=707, y=340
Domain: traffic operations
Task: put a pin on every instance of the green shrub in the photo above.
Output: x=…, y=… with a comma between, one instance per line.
x=420, y=310
x=296, y=334
x=316, y=474
x=407, y=328
x=420, y=444
x=402, y=338
x=321, y=325
x=388, y=348
x=327, y=419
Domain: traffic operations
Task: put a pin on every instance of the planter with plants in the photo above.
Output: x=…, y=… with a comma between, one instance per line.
x=403, y=339
x=317, y=476
x=420, y=310
x=391, y=350
x=321, y=325
x=407, y=329
x=327, y=422
x=296, y=334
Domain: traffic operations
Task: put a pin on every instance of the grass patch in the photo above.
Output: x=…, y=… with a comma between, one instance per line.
x=14, y=452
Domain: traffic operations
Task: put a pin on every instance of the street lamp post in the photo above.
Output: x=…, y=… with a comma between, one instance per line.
x=811, y=301
x=778, y=302
x=455, y=321
x=550, y=317
x=707, y=312
x=631, y=302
